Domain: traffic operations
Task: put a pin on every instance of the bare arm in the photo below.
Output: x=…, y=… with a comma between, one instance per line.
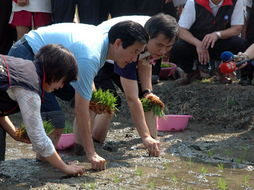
x=8, y=126
x=232, y=31
x=210, y=39
x=250, y=52
x=30, y=103
x=83, y=128
x=22, y=2
x=145, y=73
x=203, y=54
x=137, y=113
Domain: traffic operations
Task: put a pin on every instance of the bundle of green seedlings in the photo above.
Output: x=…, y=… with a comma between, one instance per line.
x=22, y=136
x=103, y=102
x=68, y=128
x=151, y=103
x=166, y=65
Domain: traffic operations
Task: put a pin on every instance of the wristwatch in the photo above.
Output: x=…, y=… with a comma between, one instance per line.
x=218, y=34
x=147, y=91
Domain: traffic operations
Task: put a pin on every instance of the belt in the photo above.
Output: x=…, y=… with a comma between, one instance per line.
x=24, y=42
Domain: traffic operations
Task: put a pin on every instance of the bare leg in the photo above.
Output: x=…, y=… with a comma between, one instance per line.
x=21, y=31
x=101, y=126
x=55, y=135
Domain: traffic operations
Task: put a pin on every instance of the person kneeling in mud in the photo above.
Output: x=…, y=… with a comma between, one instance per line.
x=22, y=86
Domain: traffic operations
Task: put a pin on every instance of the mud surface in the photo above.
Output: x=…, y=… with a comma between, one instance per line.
x=215, y=151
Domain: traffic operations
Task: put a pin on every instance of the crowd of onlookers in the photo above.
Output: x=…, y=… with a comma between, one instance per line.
x=20, y=16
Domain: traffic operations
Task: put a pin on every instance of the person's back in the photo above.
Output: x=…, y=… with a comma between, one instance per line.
x=65, y=34
x=106, y=25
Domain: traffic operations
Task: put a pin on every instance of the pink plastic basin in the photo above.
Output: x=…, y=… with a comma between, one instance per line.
x=66, y=141
x=167, y=71
x=173, y=122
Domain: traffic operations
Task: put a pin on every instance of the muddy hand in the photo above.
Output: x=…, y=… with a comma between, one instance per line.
x=98, y=163
x=152, y=145
x=74, y=170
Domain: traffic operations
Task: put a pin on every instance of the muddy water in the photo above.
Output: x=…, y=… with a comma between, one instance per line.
x=197, y=158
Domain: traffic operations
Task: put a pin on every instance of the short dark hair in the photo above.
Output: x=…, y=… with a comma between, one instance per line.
x=58, y=62
x=129, y=32
x=162, y=24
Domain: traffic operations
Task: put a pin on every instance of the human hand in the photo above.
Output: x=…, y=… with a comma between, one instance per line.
x=167, y=1
x=98, y=163
x=73, y=169
x=203, y=54
x=209, y=40
x=22, y=2
x=241, y=56
x=152, y=145
x=151, y=94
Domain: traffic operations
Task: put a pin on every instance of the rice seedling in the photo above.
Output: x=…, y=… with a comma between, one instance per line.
x=246, y=180
x=174, y=180
x=203, y=170
x=116, y=179
x=88, y=186
x=68, y=128
x=103, y=102
x=210, y=153
x=151, y=103
x=220, y=166
x=221, y=184
x=151, y=185
x=138, y=172
x=22, y=136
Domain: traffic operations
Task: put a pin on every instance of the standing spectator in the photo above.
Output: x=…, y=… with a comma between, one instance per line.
x=7, y=33
x=30, y=14
x=64, y=11
x=204, y=39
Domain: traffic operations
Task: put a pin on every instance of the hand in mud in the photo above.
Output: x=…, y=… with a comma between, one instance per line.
x=152, y=145
x=98, y=163
x=72, y=169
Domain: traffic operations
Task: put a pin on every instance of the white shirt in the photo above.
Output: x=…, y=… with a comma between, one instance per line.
x=188, y=15
x=30, y=106
x=43, y=6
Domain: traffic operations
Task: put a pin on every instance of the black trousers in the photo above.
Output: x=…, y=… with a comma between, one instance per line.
x=118, y=8
x=106, y=79
x=2, y=143
x=184, y=54
x=64, y=11
x=7, y=33
x=250, y=27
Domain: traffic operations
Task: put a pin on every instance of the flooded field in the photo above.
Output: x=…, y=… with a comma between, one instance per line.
x=202, y=157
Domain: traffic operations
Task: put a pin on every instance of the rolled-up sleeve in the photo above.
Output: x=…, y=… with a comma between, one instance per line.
x=30, y=103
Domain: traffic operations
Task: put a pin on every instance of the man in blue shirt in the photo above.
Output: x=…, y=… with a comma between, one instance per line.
x=91, y=47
